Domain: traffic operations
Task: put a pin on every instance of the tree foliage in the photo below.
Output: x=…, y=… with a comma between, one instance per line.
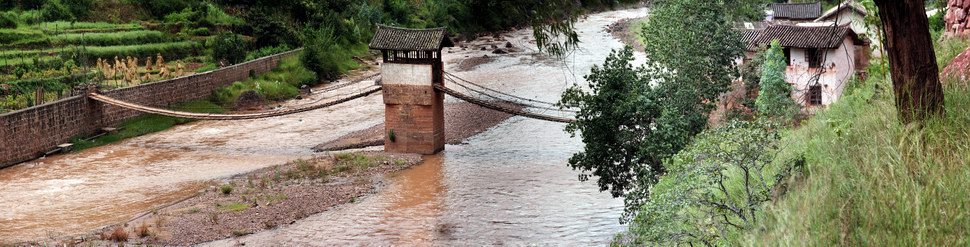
x=715, y=186
x=633, y=119
x=228, y=48
x=774, y=98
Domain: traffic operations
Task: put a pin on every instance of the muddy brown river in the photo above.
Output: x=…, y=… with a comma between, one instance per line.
x=508, y=185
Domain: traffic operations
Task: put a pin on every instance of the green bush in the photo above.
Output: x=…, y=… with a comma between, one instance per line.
x=165, y=7
x=291, y=71
x=79, y=8
x=202, y=31
x=226, y=189
x=55, y=10
x=325, y=56
x=267, y=51
x=216, y=16
x=228, y=47
x=7, y=21
x=281, y=83
x=185, y=16
x=774, y=100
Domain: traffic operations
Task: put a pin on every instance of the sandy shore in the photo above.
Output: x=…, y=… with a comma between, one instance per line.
x=262, y=199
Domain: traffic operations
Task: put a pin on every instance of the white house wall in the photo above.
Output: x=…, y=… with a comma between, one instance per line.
x=839, y=68
x=858, y=25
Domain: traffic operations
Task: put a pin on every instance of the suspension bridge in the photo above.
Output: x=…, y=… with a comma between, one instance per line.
x=498, y=101
x=413, y=85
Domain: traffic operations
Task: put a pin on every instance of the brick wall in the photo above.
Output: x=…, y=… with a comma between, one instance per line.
x=26, y=134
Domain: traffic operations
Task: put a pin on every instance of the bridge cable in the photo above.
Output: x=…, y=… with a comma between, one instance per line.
x=208, y=116
x=497, y=107
x=496, y=91
x=511, y=101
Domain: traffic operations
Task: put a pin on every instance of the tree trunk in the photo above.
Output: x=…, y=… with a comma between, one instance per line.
x=912, y=60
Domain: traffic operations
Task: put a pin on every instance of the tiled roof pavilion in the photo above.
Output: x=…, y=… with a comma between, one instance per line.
x=406, y=39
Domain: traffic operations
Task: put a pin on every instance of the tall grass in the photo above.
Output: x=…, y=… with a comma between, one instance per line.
x=874, y=182
x=281, y=83
x=947, y=49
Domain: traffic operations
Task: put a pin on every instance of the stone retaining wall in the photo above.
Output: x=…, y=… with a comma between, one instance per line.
x=26, y=134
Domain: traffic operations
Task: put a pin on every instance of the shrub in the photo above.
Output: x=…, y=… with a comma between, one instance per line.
x=228, y=47
x=291, y=71
x=323, y=55
x=118, y=235
x=165, y=7
x=266, y=51
x=216, y=16
x=226, y=189
x=79, y=8
x=55, y=10
x=271, y=30
x=142, y=230
x=774, y=99
x=7, y=21
x=202, y=31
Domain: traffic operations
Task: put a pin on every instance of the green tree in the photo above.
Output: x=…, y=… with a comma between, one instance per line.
x=633, y=119
x=774, y=98
x=716, y=185
x=228, y=48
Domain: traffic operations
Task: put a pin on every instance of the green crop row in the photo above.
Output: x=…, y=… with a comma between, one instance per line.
x=66, y=26
x=111, y=39
x=8, y=36
x=171, y=50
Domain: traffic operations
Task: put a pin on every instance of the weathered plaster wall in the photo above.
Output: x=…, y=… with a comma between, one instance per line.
x=839, y=67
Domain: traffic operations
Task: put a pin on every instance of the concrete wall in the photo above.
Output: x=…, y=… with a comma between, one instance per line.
x=26, y=134
x=839, y=68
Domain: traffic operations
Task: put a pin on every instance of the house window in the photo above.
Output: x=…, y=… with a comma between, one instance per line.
x=814, y=57
x=815, y=95
x=787, y=56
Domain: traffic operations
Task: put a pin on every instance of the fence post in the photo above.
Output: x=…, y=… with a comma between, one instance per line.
x=39, y=96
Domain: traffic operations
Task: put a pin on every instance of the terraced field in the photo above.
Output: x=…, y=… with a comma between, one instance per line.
x=42, y=62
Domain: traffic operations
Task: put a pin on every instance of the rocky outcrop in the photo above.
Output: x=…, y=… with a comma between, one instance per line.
x=956, y=18
x=958, y=70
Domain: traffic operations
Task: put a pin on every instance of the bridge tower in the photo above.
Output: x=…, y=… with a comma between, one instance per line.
x=414, y=119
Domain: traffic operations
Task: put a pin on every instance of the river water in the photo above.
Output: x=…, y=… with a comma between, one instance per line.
x=509, y=185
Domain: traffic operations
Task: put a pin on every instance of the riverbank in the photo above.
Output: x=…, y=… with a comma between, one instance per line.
x=628, y=31
x=262, y=199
